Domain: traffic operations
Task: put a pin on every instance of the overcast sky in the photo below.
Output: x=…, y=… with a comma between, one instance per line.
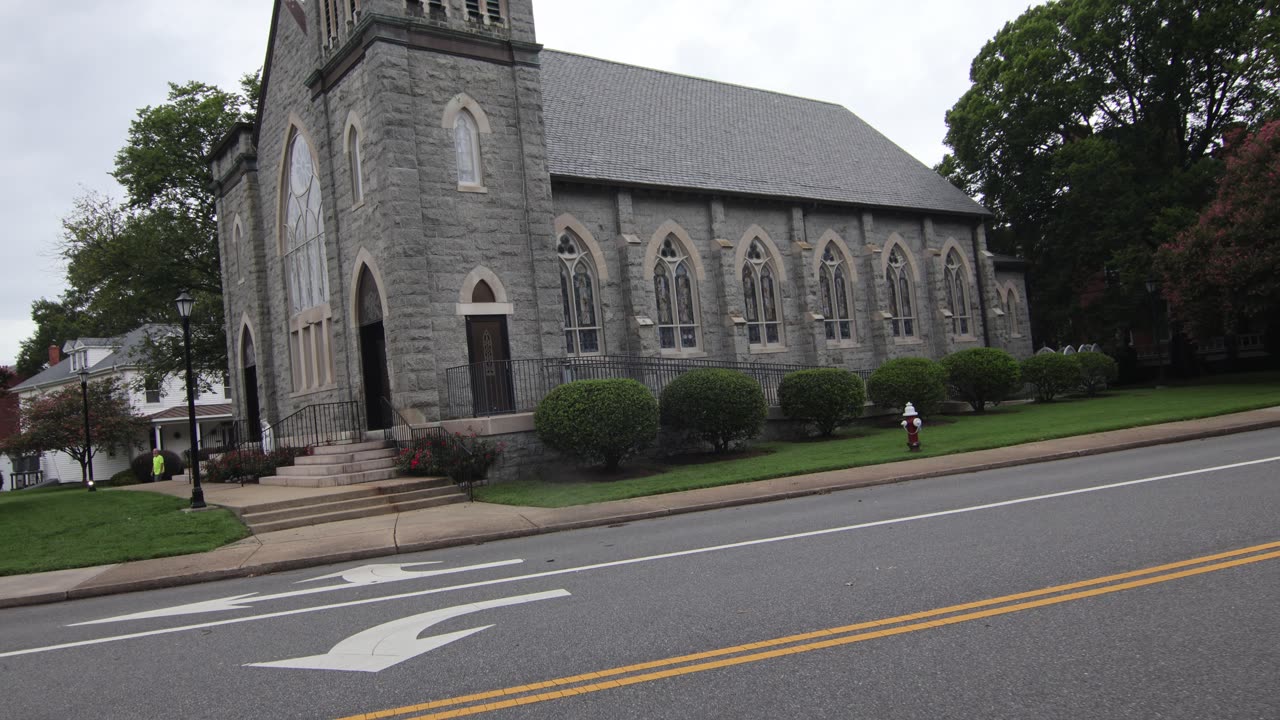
x=75, y=72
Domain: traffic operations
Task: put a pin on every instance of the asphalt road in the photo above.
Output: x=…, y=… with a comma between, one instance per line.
x=1141, y=584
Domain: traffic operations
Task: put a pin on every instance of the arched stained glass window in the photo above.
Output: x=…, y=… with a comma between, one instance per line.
x=304, y=231
x=466, y=142
x=760, y=294
x=837, y=296
x=897, y=280
x=579, y=297
x=677, y=298
x=956, y=282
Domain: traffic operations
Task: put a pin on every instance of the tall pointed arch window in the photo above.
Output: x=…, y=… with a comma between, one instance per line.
x=307, y=271
x=897, y=280
x=237, y=250
x=1011, y=313
x=956, y=282
x=677, y=296
x=466, y=144
x=353, y=157
x=579, y=297
x=837, y=296
x=760, y=294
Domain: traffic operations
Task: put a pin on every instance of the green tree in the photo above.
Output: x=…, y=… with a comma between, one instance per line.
x=55, y=422
x=127, y=261
x=1225, y=268
x=56, y=322
x=1089, y=130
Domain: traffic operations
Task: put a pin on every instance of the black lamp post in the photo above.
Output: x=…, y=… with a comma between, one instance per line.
x=1152, y=287
x=88, y=445
x=185, y=303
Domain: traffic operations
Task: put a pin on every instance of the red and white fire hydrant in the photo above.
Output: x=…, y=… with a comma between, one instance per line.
x=911, y=422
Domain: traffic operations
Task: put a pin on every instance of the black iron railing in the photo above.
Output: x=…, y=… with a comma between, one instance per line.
x=22, y=480
x=317, y=425
x=402, y=433
x=511, y=386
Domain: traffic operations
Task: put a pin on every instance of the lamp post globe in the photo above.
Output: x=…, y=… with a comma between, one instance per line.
x=185, y=304
x=88, y=443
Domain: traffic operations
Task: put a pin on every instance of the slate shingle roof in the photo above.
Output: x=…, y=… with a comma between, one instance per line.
x=619, y=123
x=123, y=355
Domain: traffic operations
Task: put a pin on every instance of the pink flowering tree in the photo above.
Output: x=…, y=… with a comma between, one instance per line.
x=55, y=422
x=1226, y=267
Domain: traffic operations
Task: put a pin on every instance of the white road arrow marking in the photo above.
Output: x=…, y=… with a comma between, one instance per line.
x=378, y=648
x=355, y=577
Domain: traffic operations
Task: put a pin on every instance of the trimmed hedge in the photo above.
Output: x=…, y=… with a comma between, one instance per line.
x=1097, y=371
x=826, y=397
x=1051, y=374
x=982, y=375
x=598, y=421
x=714, y=405
x=915, y=380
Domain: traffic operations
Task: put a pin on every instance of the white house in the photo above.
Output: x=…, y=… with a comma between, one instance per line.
x=165, y=406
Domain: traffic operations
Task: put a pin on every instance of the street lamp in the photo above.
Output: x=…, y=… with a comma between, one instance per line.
x=1152, y=287
x=88, y=446
x=185, y=303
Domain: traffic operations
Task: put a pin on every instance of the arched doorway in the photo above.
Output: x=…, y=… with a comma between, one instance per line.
x=490, y=354
x=373, y=353
x=249, y=386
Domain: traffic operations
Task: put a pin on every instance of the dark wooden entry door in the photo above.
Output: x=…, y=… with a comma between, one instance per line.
x=490, y=355
x=253, y=415
x=377, y=382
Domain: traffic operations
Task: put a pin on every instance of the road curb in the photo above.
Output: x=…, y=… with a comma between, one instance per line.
x=253, y=570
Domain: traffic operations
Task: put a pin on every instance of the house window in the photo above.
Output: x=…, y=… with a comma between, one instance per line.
x=485, y=11
x=226, y=385
x=676, y=294
x=579, y=297
x=837, y=305
x=151, y=389
x=307, y=270
x=956, y=282
x=901, y=320
x=466, y=142
x=353, y=155
x=760, y=293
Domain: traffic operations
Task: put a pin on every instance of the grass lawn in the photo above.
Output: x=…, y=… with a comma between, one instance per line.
x=864, y=444
x=69, y=527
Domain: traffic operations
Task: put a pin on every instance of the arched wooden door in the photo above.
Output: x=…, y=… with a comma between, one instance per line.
x=373, y=353
x=249, y=387
x=489, y=351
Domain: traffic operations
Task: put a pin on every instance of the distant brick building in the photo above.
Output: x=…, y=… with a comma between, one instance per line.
x=427, y=188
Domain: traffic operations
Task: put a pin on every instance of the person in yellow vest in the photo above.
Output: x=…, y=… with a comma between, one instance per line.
x=157, y=465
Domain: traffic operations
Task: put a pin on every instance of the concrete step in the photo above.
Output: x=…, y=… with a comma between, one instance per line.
x=357, y=513
x=319, y=481
x=349, y=468
x=255, y=519
x=351, y=447
x=355, y=492
x=348, y=457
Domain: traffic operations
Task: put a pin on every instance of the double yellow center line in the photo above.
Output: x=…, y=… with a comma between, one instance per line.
x=582, y=684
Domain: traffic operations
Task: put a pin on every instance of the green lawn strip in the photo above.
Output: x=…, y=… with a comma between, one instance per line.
x=1008, y=425
x=69, y=527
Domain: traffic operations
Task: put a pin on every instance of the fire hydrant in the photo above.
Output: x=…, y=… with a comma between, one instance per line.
x=911, y=423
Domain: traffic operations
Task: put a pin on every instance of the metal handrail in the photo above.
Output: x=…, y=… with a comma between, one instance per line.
x=404, y=435
x=317, y=425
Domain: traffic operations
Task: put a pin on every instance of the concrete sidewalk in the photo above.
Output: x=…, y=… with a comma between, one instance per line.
x=481, y=522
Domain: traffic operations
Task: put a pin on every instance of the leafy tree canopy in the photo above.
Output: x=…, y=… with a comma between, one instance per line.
x=1089, y=130
x=127, y=261
x=55, y=422
x=1226, y=267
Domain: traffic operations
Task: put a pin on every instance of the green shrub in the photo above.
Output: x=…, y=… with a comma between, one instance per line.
x=915, y=380
x=714, y=405
x=249, y=464
x=463, y=458
x=1097, y=371
x=141, y=465
x=982, y=375
x=1051, y=374
x=124, y=477
x=598, y=421
x=826, y=397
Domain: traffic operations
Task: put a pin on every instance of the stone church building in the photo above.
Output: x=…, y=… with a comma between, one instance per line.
x=426, y=188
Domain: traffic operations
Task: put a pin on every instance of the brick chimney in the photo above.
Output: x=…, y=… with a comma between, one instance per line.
x=55, y=356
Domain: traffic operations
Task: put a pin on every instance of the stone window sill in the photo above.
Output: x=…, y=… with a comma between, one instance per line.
x=472, y=188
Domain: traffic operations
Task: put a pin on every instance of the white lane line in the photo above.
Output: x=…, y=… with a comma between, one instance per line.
x=633, y=561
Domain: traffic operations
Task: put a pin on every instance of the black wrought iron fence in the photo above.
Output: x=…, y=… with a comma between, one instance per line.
x=402, y=433
x=317, y=425
x=511, y=386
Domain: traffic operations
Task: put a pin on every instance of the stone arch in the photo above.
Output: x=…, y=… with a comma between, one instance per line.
x=755, y=232
x=831, y=236
x=293, y=125
x=237, y=247
x=473, y=278
x=353, y=121
x=896, y=239
x=568, y=222
x=460, y=102
x=365, y=259
x=671, y=227
x=245, y=331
